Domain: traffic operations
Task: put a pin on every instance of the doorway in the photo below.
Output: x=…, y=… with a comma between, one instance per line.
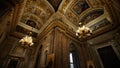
x=109, y=57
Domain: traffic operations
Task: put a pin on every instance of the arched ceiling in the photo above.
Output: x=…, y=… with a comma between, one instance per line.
x=91, y=13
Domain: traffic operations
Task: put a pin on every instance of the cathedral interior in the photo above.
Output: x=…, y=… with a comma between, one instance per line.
x=51, y=26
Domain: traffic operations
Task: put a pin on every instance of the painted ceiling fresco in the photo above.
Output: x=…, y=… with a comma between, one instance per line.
x=91, y=16
x=80, y=6
x=100, y=24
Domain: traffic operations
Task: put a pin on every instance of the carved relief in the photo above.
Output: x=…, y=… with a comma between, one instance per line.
x=37, y=12
x=30, y=9
x=64, y=5
x=94, y=3
x=73, y=18
x=48, y=11
x=43, y=16
x=33, y=8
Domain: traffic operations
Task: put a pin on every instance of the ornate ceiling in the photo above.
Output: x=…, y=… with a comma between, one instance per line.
x=36, y=13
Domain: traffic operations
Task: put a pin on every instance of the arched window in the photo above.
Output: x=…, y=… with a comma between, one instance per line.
x=74, y=57
x=71, y=60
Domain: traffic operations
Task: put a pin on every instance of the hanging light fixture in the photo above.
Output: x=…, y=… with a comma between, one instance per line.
x=27, y=40
x=83, y=31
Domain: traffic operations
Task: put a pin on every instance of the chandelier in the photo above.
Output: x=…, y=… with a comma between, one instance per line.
x=83, y=31
x=27, y=40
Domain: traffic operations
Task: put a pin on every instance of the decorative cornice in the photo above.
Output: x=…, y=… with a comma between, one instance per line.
x=60, y=26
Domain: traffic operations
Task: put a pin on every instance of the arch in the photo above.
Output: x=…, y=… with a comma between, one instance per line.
x=72, y=47
x=74, y=56
x=32, y=17
x=53, y=10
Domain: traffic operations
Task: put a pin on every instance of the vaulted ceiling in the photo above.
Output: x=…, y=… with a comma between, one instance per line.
x=36, y=13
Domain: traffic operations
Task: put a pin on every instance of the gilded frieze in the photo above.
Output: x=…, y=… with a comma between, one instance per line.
x=72, y=17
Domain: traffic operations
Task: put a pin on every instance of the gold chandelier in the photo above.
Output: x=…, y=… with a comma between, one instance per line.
x=83, y=31
x=27, y=40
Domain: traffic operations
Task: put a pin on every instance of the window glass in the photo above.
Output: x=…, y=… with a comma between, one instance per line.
x=71, y=60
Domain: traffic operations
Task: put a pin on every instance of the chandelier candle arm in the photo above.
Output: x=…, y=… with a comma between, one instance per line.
x=83, y=31
x=26, y=41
